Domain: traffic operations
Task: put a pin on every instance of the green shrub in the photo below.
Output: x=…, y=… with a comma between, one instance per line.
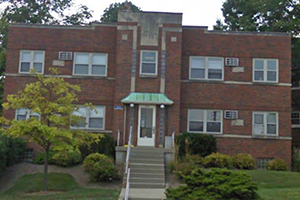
x=243, y=161
x=191, y=143
x=277, y=165
x=106, y=146
x=184, y=169
x=66, y=158
x=217, y=160
x=11, y=151
x=39, y=159
x=61, y=158
x=194, y=159
x=215, y=184
x=100, y=167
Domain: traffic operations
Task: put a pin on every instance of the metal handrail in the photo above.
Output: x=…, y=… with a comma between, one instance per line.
x=127, y=169
x=173, y=139
x=118, y=140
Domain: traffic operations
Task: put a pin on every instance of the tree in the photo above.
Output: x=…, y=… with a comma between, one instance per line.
x=111, y=13
x=52, y=99
x=265, y=15
x=36, y=11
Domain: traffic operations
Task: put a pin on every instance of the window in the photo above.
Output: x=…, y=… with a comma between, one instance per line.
x=90, y=64
x=265, y=123
x=24, y=114
x=204, y=121
x=93, y=119
x=265, y=70
x=263, y=162
x=148, y=63
x=296, y=117
x=28, y=154
x=31, y=60
x=210, y=68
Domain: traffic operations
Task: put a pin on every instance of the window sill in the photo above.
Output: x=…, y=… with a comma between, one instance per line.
x=205, y=80
x=264, y=83
x=148, y=76
x=92, y=130
x=265, y=137
x=206, y=133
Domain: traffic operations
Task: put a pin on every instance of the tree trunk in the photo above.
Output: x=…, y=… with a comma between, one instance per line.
x=46, y=169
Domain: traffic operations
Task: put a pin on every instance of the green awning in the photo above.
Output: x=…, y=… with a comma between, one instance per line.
x=147, y=98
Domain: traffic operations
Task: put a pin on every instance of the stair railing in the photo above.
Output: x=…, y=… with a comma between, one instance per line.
x=127, y=169
x=173, y=140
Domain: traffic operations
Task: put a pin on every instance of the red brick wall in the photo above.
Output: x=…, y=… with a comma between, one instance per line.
x=258, y=148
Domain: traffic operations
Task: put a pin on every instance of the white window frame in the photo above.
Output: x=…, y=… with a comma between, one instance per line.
x=31, y=60
x=205, y=68
x=90, y=64
x=141, y=62
x=265, y=70
x=205, y=121
x=28, y=114
x=265, y=114
x=87, y=118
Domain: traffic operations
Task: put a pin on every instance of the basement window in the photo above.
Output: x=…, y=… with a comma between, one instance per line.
x=148, y=65
x=263, y=162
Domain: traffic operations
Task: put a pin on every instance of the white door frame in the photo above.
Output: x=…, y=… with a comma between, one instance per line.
x=147, y=141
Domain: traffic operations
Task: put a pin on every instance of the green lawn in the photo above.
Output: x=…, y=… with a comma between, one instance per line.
x=274, y=185
x=65, y=184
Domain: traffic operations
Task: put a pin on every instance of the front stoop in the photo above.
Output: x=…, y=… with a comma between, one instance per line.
x=147, y=174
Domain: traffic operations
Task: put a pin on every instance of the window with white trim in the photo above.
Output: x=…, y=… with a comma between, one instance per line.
x=148, y=64
x=206, y=68
x=91, y=118
x=31, y=60
x=296, y=117
x=265, y=70
x=204, y=121
x=265, y=123
x=24, y=114
x=90, y=64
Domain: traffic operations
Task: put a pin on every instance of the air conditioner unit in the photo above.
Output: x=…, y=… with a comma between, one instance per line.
x=62, y=55
x=231, y=114
x=233, y=62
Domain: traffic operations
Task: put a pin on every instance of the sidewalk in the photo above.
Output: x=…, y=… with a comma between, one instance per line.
x=145, y=194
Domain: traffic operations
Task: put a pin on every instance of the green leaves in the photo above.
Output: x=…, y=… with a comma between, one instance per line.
x=53, y=99
x=111, y=13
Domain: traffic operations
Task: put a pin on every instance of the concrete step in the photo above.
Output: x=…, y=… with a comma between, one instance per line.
x=147, y=175
x=144, y=194
x=147, y=171
x=146, y=161
x=147, y=156
x=146, y=167
x=146, y=185
x=145, y=180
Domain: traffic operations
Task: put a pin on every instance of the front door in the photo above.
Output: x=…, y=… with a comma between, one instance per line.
x=146, y=126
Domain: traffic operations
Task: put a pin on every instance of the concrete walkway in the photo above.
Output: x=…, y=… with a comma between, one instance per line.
x=15, y=172
x=146, y=194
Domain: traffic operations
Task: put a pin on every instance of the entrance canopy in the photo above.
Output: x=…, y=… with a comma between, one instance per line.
x=147, y=98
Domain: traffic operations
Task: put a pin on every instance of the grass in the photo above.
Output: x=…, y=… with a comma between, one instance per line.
x=273, y=185
x=63, y=186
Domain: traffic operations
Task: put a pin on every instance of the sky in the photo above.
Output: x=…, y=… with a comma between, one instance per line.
x=195, y=12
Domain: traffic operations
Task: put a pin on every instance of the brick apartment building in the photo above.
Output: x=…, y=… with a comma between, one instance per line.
x=150, y=72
